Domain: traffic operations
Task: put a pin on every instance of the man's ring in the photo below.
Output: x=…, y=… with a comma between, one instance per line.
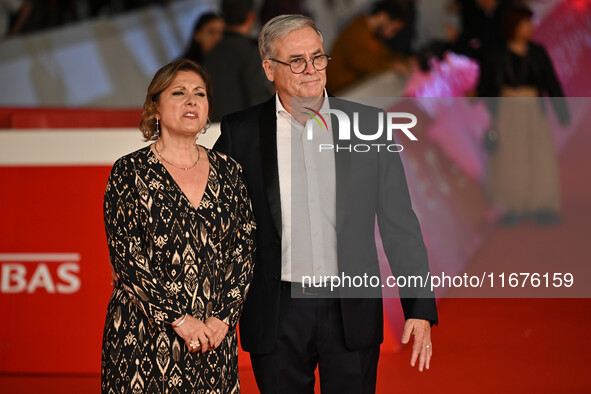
x=195, y=344
x=428, y=346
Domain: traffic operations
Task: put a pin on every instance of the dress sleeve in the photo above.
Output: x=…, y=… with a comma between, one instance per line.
x=240, y=263
x=128, y=255
x=552, y=86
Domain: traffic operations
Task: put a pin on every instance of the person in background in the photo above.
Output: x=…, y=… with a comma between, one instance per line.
x=402, y=40
x=15, y=11
x=437, y=21
x=234, y=64
x=271, y=8
x=480, y=22
x=359, y=51
x=180, y=232
x=207, y=33
x=522, y=172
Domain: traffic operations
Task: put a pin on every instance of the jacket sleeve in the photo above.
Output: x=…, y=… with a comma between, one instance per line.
x=402, y=238
x=224, y=142
x=128, y=255
x=238, y=270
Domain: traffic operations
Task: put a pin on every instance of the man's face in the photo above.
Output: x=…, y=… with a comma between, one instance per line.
x=210, y=34
x=487, y=5
x=525, y=29
x=388, y=28
x=303, y=43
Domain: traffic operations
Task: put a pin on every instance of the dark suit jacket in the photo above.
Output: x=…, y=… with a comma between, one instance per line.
x=250, y=137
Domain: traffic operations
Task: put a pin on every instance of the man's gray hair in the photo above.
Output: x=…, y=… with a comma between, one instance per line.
x=279, y=27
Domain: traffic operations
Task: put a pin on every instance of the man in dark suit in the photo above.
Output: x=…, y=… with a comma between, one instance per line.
x=316, y=214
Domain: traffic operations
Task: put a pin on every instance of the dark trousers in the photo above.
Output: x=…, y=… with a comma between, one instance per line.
x=310, y=335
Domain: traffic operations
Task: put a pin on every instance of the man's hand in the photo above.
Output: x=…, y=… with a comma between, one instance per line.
x=403, y=67
x=421, y=348
x=219, y=330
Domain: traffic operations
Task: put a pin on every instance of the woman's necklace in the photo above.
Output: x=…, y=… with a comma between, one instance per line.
x=174, y=165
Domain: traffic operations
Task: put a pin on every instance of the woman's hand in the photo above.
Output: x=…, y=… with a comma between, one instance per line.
x=114, y=276
x=219, y=330
x=196, y=334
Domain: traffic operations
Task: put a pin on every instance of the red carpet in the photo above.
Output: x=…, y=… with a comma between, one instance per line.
x=508, y=346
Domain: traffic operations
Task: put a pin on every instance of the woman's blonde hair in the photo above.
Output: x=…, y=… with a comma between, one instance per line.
x=161, y=81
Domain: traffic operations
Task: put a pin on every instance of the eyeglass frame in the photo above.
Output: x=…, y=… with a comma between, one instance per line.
x=306, y=66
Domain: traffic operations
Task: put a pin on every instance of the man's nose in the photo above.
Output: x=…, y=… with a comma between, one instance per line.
x=310, y=67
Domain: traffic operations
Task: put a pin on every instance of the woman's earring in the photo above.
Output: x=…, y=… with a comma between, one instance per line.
x=157, y=126
x=207, y=126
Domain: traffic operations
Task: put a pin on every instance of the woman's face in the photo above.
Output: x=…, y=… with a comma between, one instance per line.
x=210, y=34
x=524, y=30
x=183, y=107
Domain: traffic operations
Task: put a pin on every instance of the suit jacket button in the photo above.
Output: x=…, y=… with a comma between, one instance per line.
x=275, y=277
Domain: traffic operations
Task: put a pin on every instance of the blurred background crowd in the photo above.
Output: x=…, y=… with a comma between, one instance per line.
x=398, y=35
x=468, y=24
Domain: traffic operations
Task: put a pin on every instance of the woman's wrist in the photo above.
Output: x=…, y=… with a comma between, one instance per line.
x=182, y=320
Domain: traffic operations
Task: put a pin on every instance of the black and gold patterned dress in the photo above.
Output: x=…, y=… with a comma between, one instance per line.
x=172, y=259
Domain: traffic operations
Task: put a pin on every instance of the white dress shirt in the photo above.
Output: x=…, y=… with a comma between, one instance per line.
x=308, y=198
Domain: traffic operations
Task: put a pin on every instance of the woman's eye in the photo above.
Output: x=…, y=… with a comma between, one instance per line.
x=200, y=94
x=177, y=93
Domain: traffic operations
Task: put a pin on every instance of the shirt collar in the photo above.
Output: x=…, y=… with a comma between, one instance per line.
x=280, y=110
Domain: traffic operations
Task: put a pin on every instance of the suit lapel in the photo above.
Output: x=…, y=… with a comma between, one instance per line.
x=342, y=167
x=268, y=136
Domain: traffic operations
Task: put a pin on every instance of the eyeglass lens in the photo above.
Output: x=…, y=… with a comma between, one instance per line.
x=299, y=65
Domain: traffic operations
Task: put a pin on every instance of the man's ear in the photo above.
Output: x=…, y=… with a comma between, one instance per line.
x=269, y=68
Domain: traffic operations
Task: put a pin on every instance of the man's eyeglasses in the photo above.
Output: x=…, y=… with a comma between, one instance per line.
x=299, y=64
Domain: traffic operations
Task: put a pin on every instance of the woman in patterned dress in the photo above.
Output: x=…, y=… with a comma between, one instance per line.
x=180, y=233
x=523, y=176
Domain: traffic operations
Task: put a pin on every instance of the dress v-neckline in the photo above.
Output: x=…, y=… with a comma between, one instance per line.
x=178, y=187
